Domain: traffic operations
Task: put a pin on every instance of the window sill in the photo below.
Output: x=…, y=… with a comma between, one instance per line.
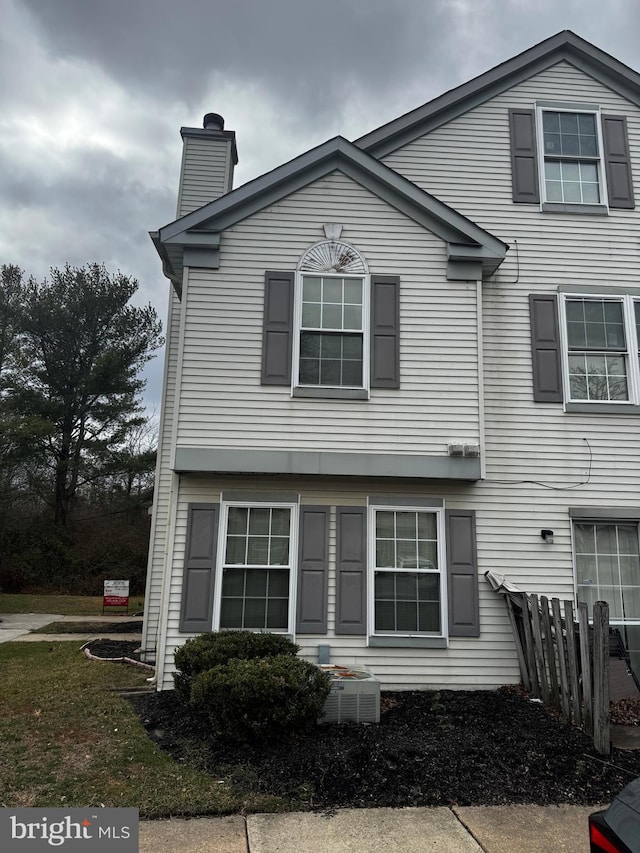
x=332, y=393
x=584, y=209
x=602, y=408
x=410, y=642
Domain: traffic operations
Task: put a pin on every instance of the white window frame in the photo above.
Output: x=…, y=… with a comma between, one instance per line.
x=439, y=512
x=631, y=355
x=293, y=562
x=594, y=110
x=603, y=521
x=365, y=278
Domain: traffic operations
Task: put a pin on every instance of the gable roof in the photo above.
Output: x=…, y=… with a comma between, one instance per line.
x=565, y=45
x=201, y=229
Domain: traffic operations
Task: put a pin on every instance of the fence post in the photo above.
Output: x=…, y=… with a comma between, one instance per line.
x=513, y=619
x=550, y=651
x=573, y=663
x=601, y=738
x=539, y=650
x=528, y=636
x=585, y=663
x=562, y=660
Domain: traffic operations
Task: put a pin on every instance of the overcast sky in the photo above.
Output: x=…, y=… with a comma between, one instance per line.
x=94, y=92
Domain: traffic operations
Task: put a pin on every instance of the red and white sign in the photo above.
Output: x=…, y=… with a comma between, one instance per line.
x=116, y=594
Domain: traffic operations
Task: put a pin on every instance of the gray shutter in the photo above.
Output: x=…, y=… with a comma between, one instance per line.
x=277, y=332
x=385, y=331
x=351, y=570
x=617, y=162
x=545, y=346
x=313, y=568
x=525, y=188
x=196, y=611
x=462, y=573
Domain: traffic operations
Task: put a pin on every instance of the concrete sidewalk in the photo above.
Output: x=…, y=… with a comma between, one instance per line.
x=492, y=829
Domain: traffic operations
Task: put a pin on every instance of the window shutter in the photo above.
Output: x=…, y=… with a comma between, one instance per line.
x=462, y=574
x=351, y=570
x=617, y=162
x=525, y=188
x=196, y=611
x=385, y=331
x=545, y=344
x=277, y=332
x=313, y=566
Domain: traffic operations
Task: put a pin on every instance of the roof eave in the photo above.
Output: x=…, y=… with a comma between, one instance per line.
x=565, y=45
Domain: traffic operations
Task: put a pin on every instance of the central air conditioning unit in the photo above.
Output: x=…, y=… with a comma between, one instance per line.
x=354, y=695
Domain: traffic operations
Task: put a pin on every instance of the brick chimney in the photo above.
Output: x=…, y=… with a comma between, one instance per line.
x=208, y=157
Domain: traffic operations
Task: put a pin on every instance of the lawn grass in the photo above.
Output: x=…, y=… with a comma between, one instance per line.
x=67, y=739
x=74, y=605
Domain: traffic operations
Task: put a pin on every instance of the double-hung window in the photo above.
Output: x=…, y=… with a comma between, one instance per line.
x=257, y=569
x=409, y=591
x=601, y=352
x=332, y=323
x=607, y=565
x=571, y=154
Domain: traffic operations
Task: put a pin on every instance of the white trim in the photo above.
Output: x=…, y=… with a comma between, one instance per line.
x=365, y=331
x=293, y=559
x=630, y=354
x=609, y=522
x=481, y=382
x=588, y=109
x=441, y=571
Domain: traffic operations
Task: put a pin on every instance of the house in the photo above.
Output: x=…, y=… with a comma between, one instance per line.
x=396, y=363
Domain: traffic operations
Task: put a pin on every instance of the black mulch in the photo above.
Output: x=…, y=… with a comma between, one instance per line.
x=108, y=649
x=429, y=749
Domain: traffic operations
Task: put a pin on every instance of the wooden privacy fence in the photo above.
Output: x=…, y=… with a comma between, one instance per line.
x=565, y=662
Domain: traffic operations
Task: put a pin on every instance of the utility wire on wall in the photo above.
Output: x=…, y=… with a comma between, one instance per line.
x=548, y=485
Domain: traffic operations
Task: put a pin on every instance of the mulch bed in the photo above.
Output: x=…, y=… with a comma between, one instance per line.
x=429, y=749
x=108, y=649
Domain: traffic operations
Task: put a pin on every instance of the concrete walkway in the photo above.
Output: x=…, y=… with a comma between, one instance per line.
x=492, y=829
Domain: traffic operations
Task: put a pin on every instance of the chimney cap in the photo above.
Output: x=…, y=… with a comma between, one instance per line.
x=213, y=121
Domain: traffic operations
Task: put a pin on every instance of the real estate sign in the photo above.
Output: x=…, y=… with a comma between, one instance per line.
x=116, y=594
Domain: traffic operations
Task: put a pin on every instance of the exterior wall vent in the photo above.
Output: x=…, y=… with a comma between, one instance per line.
x=354, y=696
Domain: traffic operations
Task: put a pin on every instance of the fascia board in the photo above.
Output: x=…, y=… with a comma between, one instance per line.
x=195, y=239
x=563, y=46
x=339, y=154
x=273, y=184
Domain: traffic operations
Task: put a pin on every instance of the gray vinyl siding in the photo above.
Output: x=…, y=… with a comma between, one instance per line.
x=221, y=390
x=160, y=519
x=205, y=176
x=466, y=163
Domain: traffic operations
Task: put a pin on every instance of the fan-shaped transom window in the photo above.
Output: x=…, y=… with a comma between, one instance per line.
x=333, y=256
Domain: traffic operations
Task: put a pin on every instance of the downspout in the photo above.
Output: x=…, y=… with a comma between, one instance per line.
x=481, y=411
x=173, y=494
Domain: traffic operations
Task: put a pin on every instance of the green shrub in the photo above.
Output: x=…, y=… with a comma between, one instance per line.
x=246, y=699
x=202, y=653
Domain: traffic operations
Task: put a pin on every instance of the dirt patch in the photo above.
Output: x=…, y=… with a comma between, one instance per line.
x=429, y=749
x=132, y=627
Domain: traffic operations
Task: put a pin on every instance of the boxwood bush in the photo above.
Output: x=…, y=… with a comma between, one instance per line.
x=247, y=699
x=202, y=653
